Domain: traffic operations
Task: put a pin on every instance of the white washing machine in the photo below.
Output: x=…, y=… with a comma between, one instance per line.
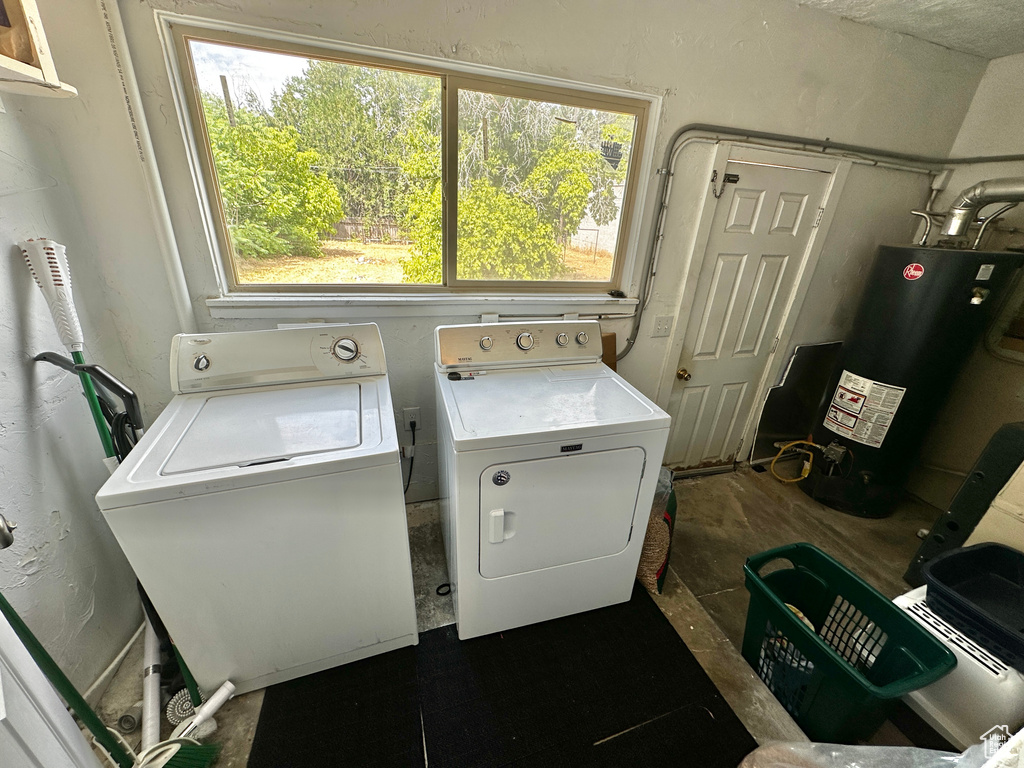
x=263, y=510
x=548, y=466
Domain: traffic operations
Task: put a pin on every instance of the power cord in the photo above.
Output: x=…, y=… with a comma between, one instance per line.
x=123, y=433
x=412, y=457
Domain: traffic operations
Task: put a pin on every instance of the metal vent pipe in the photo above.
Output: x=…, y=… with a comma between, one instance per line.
x=966, y=207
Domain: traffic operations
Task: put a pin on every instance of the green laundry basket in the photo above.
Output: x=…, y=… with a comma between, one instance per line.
x=839, y=679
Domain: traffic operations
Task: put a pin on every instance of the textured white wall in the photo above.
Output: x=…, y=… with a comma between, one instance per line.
x=762, y=64
x=987, y=28
x=989, y=392
x=65, y=574
x=992, y=124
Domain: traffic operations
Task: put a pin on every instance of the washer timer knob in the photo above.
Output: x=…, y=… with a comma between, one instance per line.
x=562, y=339
x=486, y=343
x=201, y=363
x=345, y=349
x=582, y=337
x=524, y=341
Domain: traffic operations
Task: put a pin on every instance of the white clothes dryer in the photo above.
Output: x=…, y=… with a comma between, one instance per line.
x=548, y=466
x=263, y=511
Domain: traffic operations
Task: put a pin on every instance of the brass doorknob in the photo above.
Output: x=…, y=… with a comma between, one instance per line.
x=683, y=375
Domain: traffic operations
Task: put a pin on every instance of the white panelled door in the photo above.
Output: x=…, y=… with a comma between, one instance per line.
x=757, y=242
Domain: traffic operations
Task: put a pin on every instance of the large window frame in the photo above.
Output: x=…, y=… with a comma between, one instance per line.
x=453, y=79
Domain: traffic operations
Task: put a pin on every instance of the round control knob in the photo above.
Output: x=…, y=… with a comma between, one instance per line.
x=562, y=339
x=524, y=341
x=201, y=363
x=345, y=349
x=486, y=343
x=582, y=337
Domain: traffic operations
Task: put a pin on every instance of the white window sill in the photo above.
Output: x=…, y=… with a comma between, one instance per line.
x=339, y=306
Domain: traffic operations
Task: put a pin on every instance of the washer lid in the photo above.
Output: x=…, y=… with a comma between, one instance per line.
x=259, y=427
x=493, y=408
x=209, y=442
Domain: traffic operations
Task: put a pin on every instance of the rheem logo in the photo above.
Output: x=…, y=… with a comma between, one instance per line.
x=913, y=271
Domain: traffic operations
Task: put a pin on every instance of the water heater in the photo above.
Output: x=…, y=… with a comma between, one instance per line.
x=922, y=311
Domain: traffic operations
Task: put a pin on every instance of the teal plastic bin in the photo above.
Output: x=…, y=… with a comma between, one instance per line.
x=839, y=679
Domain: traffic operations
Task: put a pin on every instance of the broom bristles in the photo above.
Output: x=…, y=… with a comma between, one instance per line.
x=194, y=756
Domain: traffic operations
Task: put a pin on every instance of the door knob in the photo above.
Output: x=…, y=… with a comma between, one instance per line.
x=683, y=375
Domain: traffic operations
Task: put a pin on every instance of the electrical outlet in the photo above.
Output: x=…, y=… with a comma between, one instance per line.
x=409, y=415
x=662, y=326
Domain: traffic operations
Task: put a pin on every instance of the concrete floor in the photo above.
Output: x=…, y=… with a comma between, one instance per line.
x=721, y=520
x=429, y=569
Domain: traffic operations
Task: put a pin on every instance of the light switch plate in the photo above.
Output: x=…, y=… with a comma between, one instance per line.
x=662, y=326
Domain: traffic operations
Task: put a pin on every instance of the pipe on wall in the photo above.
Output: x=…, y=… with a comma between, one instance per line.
x=879, y=157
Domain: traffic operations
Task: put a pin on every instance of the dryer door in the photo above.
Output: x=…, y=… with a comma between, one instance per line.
x=558, y=510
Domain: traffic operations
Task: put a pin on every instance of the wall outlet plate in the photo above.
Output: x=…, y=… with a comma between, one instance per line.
x=409, y=415
x=662, y=326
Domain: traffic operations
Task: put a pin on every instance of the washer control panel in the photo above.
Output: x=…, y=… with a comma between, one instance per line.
x=202, y=362
x=510, y=344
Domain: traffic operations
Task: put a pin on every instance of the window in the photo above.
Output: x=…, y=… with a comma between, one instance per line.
x=334, y=172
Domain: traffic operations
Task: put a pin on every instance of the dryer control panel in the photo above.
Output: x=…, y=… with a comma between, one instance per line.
x=202, y=362
x=516, y=344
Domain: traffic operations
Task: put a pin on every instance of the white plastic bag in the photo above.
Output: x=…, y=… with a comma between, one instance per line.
x=810, y=755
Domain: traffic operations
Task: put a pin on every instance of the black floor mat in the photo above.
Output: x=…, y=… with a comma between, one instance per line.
x=362, y=714
x=612, y=687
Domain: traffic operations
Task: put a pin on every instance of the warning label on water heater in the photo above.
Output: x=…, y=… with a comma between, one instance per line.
x=862, y=409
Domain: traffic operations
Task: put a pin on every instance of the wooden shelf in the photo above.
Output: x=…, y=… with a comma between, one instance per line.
x=38, y=78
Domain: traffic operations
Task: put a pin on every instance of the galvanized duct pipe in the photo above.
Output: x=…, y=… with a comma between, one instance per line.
x=963, y=212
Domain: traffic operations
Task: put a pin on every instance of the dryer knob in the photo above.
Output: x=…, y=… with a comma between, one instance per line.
x=524, y=341
x=562, y=339
x=582, y=337
x=486, y=343
x=345, y=349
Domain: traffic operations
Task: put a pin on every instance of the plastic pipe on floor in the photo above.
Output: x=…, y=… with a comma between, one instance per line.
x=150, y=689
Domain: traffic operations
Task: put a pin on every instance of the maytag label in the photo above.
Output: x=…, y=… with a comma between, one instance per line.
x=571, y=448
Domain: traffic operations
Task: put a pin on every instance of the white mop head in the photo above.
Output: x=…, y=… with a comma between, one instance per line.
x=48, y=263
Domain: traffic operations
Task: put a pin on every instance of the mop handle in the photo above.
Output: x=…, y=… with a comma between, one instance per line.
x=94, y=406
x=64, y=687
